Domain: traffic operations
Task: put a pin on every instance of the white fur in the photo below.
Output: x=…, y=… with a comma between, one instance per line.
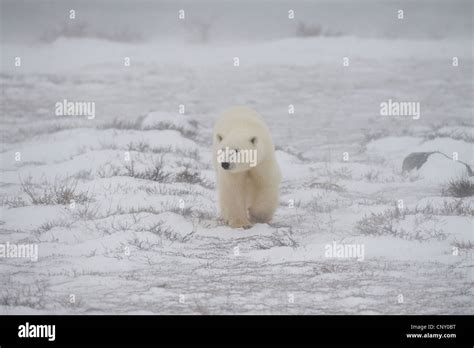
x=246, y=193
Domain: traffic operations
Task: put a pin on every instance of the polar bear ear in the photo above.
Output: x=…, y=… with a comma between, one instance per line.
x=253, y=140
x=219, y=137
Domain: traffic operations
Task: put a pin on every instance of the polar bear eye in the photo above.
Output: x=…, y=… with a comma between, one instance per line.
x=219, y=137
x=253, y=140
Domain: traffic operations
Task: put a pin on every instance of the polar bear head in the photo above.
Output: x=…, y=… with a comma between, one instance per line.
x=241, y=140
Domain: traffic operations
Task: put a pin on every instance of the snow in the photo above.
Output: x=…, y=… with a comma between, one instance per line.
x=135, y=242
x=440, y=169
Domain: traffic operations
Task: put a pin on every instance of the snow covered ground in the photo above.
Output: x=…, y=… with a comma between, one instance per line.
x=123, y=207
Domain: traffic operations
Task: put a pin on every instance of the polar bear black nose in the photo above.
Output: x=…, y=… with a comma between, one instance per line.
x=225, y=165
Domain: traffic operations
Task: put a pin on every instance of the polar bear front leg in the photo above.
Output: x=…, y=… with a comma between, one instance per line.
x=264, y=204
x=232, y=200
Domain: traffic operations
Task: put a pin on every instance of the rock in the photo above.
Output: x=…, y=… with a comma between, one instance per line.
x=415, y=160
x=435, y=166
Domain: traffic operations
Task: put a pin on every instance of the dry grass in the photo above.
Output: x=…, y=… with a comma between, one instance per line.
x=59, y=192
x=163, y=125
x=32, y=296
x=463, y=245
x=124, y=124
x=49, y=225
x=388, y=223
x=277, y=239
x=155, y=173
x=460, y=187
x=12, y=202
x=167, y=233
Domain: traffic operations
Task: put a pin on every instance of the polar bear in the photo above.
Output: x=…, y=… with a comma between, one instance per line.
x=248, y=176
